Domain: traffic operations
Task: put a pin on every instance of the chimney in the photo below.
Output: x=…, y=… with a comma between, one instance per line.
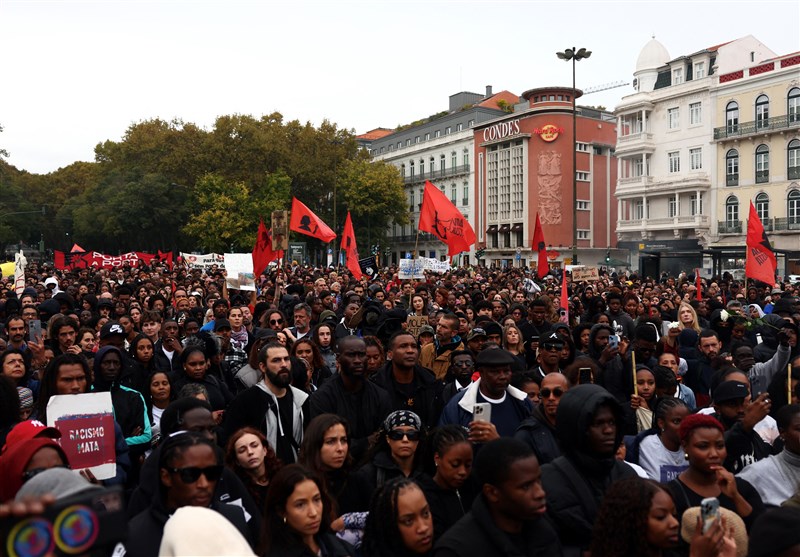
x=488, y=91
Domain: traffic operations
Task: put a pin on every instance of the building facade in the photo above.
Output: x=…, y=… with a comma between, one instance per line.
x=524, y=165
x=757, y=140
x=439, y=149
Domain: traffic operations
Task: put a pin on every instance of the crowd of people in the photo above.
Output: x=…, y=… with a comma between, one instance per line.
x=469, y=413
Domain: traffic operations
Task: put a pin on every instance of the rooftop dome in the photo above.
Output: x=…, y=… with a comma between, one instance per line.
x=652, y=56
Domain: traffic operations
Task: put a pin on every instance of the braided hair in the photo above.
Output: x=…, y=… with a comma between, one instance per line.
x=381, y=536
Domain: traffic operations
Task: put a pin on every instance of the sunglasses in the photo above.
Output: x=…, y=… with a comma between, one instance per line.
x=36, y=471
x=275, y=321
x=557, y=392
x=398, y=434
x=191, y=474
x=552, y=347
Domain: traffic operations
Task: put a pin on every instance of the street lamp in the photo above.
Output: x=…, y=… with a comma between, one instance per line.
x=575, y=56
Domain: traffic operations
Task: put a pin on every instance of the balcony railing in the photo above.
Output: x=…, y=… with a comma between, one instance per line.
x=762, y=176
x=786, y=223
x=776, y=123
x=434, y=174
x=729, y=227
x=732, y=179
x=794, y=172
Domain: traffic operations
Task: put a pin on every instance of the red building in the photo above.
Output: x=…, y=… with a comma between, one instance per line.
x=524, y=164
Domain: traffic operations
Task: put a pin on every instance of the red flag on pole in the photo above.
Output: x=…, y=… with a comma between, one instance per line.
x=306, y=222
x=698, y=284
x=537, y=244
x=761, y=262
x=350, y=249
x=440, y=217
x=262, y=251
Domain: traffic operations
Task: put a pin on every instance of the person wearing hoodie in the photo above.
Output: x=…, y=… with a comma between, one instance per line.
x=762, y=373
x=129, y=405
x=616, y=314
x=539, y=430
x=272, y=406
x=575, y=482
x=613, y=376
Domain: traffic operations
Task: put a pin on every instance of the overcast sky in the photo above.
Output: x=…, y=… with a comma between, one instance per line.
x=76, y=73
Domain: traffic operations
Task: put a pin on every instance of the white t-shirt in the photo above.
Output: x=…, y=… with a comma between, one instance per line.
x=660, y=463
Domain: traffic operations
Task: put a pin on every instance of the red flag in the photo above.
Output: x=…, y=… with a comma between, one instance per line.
x=564, y=296
x=306, y=222
x=440, y=217
x=350, y=249
x=537, y=244
x=761, y=262
x=698, y=284
x=262, y=251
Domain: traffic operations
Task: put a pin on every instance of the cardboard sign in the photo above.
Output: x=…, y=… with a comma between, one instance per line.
x=414, y=323
x=86, y=423
x=585, y=274
x=203, y=261
x=240, y=271
x=280, y=230
x=410, y=269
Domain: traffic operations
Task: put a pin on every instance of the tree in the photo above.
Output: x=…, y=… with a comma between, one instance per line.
x=228, y=212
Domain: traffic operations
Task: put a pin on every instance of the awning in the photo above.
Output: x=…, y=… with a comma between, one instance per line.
x=505, y=228
x=492, y=229
x=517, y=227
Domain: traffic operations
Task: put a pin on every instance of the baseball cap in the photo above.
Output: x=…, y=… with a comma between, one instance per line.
x=475, y=333
x=111, y=328
x=425, y=330
x=221, y=324
x=28, y=430
x=730, y=390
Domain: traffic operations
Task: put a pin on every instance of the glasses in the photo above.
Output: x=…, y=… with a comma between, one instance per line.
x=552, y=347
x=36, y=471
x=275, y=321
x=398, y=434
x=557, y=392
x=191, y=474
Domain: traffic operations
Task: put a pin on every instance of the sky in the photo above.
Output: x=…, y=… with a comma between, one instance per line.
x=77, y=73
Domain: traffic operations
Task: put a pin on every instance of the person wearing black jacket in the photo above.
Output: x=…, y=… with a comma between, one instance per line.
x=575, y=483
x=539, y=430
x=189, y=467
x=410, y=386
x=508, y=517
x=350, y=395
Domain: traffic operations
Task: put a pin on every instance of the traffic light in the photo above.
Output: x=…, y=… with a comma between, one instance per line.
x=608, y=257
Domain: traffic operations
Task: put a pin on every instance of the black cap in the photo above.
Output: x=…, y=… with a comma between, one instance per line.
x=493, y=328
x=221, y=324
x=494, y=357
x=552, y=338
x=111, y=328
x=265, y=334
x=105, y=302
x=730, y=390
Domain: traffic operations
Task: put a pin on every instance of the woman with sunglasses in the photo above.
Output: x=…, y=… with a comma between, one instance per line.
x=190, y=465
x=538, y=431
x=394, y=455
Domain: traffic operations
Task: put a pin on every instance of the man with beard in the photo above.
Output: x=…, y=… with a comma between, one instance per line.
x=348, y=394
x=272, y=405
x=539, y=430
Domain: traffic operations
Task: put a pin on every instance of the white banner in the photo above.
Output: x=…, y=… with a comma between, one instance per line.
x=239, y=268
x=434, y=265
x=203, y=261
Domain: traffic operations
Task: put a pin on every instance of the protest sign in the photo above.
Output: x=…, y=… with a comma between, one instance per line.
x=203, y=261
x=414, y=323
x=583, y=274
x=434, y=265
x=86, y=423
x=239, y=267
x=410, y=268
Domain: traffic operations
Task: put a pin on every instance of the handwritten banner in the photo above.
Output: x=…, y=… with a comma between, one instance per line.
x=583, y=274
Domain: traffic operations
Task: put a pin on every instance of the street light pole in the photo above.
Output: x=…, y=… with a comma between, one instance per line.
x=575, y=56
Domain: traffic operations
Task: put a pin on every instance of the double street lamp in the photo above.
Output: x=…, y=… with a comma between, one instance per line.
x=576, y=55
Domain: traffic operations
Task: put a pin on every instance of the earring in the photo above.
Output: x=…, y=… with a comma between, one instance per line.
x=685, y=455
x=284, y=520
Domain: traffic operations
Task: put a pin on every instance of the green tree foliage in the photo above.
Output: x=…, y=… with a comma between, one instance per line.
x=228, y=212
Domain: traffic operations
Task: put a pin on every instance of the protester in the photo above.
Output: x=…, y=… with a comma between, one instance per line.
x=399, y=522
x=252, y=459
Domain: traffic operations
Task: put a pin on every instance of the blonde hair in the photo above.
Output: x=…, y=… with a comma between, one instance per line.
x=520, y=348
x=695, y=324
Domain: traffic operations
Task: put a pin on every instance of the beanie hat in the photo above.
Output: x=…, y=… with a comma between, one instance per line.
x=25, y=398
x=200, y=531
x=60, y=482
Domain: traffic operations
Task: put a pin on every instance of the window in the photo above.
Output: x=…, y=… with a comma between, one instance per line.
x=466, y=158
x=411, y=168
x=432, y=166
x=416, y=139
x=459, y=127
x=762, y=164
x=793, y=207
x=471, y=123
x=696, y=158
x=441, y=164
x=403, y=170
x=695, y=113
x=582, y=176
x=672, y=207
x=399, y=144
x=677, y=76
x=453, y=160
x=582, y=147
x=427, y=136
x=699, y=70
x=732, y=211
x=732, y=168
x=421, y=168
x=381, y=150
x=465, y=190
x=793, y=105
x=695, y=208
x=453, y=193
x=762, y=206
x=582, y=205
x=762, y=111
x=411, y=199
x=437, y=133
x=732, y=116
x=638, y=209
x=793, y=160
x=408, y=142
x=673, y=118
x=447, y=130
x=583, y=234
x=674, y=159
